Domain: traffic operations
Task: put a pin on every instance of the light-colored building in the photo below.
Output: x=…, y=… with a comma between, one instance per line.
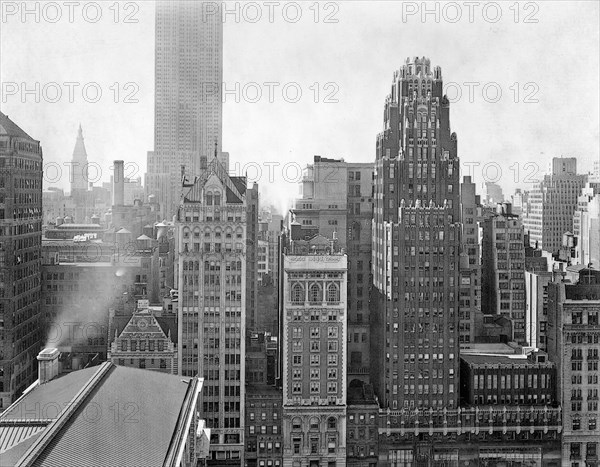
x=314, y=352
x=551, y=204
x=263, y=260
x=211, y=227
x=503, y=266
x=586, y=226
x=188, y=110
x=536, y=307
x=574, y=345
x=492, y=194
x=336, y=202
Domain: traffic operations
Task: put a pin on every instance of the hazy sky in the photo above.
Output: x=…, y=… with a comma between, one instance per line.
x=547, y=72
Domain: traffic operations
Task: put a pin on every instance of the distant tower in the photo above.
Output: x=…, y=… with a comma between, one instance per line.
x=79, y=178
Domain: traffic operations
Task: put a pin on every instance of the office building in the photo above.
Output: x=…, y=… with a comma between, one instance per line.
x=574, y=346
x=20, y=256
x=210, y=264
x=551, y=204
x=188, y=109
x=416, y=246
x=336, y=202
x=314, y=349
x=503, y=265
x=470, y=261
x=586, y=226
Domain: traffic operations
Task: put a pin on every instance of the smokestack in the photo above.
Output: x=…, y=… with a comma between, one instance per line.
x=47, y=364
x=119, y=184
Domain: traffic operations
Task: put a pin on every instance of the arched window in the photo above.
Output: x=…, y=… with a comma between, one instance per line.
x=331, y=423
x=296, y=423
x=314, y=294
x=208, y=198
x=297, y=293
x=217, y=199
x=333, y=293
x=314, y=423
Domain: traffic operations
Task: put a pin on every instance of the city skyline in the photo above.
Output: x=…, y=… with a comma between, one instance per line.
x=430, y=299
x=292, y=133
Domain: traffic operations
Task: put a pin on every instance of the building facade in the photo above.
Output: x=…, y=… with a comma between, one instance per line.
x=586, y=226
x=20, y=257
x=470, y=261
x=314, y=350
x=145, y=341
x=507, y=380
x=416, y=246
x=574, y=345
x=211, y=282
x=552, y=203
x=336, y=202
x=503, y=264
x=188, y=107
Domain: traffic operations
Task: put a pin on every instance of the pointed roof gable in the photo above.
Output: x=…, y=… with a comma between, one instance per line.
x=235, y=193
x=10, y=128
x=143, y=322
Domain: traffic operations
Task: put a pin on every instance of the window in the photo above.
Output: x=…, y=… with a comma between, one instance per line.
x=331, y=423
x=333, y=293
x=296, y=424
x=314, y=423
x=297, y=293
x=315, y=293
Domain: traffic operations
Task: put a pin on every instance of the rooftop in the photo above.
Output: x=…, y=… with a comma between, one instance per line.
x=10, y=128
x=102, y=416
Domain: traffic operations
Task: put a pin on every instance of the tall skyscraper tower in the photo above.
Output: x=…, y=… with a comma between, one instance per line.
x=188, y=110
x=416, y=245
x=20, y=256
x=80, y=180
x=211, y=278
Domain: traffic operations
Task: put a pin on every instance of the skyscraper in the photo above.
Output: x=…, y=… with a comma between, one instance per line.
x=552, y=203
x=211, y=279
x=416, y=245
x=188, y=108
x=20, y=257
x=79, y=180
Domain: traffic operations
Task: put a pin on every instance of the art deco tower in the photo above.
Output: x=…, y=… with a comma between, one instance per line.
x=188, y=110
x=416, y=245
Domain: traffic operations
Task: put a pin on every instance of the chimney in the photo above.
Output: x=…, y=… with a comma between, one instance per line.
x=47, y=364
x=119, y=184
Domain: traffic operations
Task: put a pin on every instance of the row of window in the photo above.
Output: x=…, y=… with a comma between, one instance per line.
x=315, y=293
